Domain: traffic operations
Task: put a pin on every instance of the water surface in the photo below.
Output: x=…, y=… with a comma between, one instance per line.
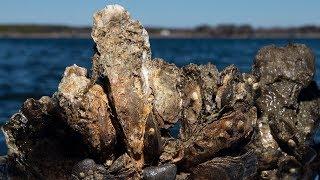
x=34, y=67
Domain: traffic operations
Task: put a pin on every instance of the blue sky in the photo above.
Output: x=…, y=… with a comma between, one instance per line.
x=168, y=13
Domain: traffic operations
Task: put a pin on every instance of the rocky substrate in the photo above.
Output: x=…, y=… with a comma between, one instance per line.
x=122, y=122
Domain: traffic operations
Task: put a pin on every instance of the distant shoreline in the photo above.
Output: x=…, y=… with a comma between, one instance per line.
x=62, y=36
x=205, y=32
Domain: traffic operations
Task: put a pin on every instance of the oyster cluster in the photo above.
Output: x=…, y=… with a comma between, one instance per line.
x=143, y=118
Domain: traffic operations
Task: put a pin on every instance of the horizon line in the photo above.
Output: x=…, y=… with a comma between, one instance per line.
x=168, y=27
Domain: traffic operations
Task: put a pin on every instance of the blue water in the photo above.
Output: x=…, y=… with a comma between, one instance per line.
x=33, y=67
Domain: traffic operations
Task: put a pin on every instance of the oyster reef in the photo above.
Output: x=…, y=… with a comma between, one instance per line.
x=119, y=123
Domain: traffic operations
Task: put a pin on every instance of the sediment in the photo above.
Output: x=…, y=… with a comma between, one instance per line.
x=118, y=123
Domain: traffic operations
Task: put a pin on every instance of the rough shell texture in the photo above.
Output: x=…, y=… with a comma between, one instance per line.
x=295, y=63
x=40, y=144
x=123, y=48
x=164, y=79
x=87, y=169
x=242, y=167
x=208, y=140
x=265, y=146
x=87, y=113
x=118, y=124
x=124, y=168
x=285, y=76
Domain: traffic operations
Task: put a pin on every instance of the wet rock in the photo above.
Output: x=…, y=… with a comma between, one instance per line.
x=164, y=171
x=124, y=168
x=242, y=167
x=87, y=112
x=87, y=169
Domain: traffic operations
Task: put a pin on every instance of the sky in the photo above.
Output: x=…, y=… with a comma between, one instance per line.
x=166, y=13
